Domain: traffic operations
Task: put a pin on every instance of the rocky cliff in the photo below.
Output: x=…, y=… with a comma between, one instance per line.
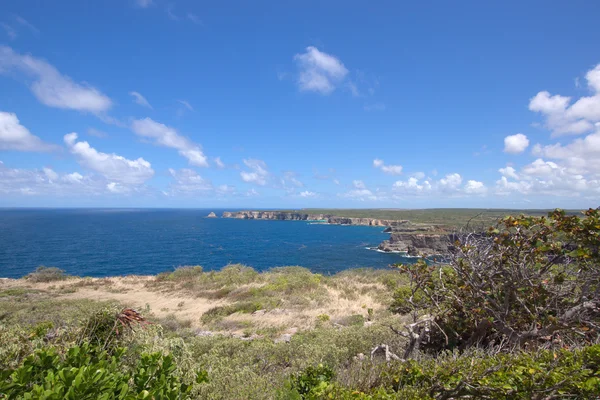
x=212, y=215
x=414, y=239
x=417, y=244
x=325, y=218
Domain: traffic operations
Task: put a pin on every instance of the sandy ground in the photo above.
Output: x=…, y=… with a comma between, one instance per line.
x=132, y=292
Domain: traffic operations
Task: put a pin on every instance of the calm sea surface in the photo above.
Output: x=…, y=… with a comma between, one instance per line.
x=105, y=242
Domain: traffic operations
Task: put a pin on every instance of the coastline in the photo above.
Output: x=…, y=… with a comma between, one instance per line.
x=406, y=238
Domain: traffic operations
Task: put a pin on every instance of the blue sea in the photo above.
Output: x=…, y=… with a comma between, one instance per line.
x=106, y=242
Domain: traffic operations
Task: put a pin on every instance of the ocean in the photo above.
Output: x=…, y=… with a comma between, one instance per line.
x=107, y=242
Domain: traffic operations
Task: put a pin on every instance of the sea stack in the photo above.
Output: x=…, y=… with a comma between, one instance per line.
x=211, y=215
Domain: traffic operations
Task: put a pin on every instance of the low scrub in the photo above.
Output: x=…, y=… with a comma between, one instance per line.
x=544, y=374
x=47, y=274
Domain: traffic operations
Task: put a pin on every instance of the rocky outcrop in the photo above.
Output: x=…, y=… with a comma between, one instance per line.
x=418, y=244
x=212, y=215
x=325, y=218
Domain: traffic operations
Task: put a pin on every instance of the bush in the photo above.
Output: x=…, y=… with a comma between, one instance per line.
x=46, y=274
x=181, y=273
x=527, y=282
x=312, y=382
x=87, y=372
x=544, y=374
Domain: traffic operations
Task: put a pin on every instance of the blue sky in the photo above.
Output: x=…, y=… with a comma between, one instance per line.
x=152, y=103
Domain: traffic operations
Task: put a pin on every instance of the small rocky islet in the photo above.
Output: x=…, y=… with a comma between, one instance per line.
x=405, y=236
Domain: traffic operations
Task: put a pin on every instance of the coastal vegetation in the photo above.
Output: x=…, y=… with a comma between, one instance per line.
x=513, y=312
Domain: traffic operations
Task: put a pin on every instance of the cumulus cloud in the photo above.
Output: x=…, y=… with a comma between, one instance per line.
x=14, y=136
x=112, y=166
x=388, y=169
x=307, y=193
x=166, y=136
x=319, y=72
x=258, y=173
x=50, y=87
x=564, y=118
x=47, y=182
x=548, y=178
x=450, y=185
x=515, y=144
x=509, y=172
x=187, y=181
x=475, y=187
x=141, y=100
x=412, y=186
x=582, y=156
x=359, y=191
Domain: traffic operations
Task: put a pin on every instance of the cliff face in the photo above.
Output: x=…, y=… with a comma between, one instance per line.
x=415, y=239
x=418, y=243
x=291, y=216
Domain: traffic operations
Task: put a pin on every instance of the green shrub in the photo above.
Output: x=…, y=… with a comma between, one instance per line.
x=46, y=274
x=181, y=273
x=474, y=375
x=219, y=312
x=312, y=382
x=87, y=372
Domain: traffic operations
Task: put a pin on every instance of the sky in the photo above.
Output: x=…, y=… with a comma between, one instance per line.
x=263, y=104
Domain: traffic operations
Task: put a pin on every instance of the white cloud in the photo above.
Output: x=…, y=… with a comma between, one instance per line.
x=509, y=172
x=564, y=118
x=319, y=72
x=52, y=176
x=194, y=18
x=515, y=144
x=188, y=180
x=47, y=182
x=258, y=173
x=388, y=169
x=50, y=86
x=358, y=184
x=548, y=178
x=186, y=105
x=168, y=137
x=475, y=187
x=141, y=100
x=582, y=156
x=450, y=182
x=112, y=166
x=307, y=193
x=418, y=175
x=22, y=21
x=252, y=193
x=412, y=186
x=14, y=136
x=289, y=178
x=220, y=164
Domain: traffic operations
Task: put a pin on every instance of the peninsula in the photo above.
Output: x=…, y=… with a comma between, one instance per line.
x=405, y=236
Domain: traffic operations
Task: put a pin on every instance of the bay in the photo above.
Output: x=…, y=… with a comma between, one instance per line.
x=109, y=242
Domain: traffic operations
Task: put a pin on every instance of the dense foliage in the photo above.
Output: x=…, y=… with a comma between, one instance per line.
x=528, y=282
